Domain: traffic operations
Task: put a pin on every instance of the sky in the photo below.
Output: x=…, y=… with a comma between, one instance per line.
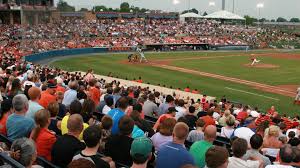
x=272, y=8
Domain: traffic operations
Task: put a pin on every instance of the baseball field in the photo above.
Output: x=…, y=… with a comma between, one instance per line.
x=273, y=81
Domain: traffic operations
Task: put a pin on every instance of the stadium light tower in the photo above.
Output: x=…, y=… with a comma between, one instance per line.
x=223, y=4
x=211, y=4
x=259, y=6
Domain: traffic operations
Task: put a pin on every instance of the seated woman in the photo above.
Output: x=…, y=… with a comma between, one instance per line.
x=23, y=150
x=228, y=130
x=54, y=122
x=42, y=136
x=271, y=139
x=165, y=133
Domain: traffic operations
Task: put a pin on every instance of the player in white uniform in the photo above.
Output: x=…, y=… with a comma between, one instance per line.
x=142, y=55
x=254, y=60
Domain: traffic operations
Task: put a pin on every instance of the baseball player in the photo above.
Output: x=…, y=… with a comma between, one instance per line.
x=142, y=55
x=254, y=60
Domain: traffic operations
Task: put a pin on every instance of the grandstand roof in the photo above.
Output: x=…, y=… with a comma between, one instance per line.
x=190, y=15
x=224, y=15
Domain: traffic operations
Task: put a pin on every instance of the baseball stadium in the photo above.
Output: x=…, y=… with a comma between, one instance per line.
x=135, y=84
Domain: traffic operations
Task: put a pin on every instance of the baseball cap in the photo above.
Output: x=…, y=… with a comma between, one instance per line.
x=51, y=84
x=141, y=147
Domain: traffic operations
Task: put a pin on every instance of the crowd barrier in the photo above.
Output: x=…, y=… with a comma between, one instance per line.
x=230, y=47
x=80, y=51
x=66, y=52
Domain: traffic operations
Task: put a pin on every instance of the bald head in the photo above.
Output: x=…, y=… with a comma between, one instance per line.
x=75, y=124
x=210, y=133
x=34, y=93
x=73, y=85
x=181, y=131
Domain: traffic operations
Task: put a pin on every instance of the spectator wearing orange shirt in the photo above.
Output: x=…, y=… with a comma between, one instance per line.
x=60, y=87
x=94, y=92
x=208, y=119
x=48, y=96
x=187, y=89
x=140, y=80
x=195, y=91
x=42, y=136
x=6, y=110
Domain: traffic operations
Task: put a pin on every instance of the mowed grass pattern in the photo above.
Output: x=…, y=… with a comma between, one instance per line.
x=106, y=63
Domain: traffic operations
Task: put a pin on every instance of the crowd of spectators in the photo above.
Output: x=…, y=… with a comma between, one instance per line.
x=22, y=40
x=76, y=120
x=55, y=115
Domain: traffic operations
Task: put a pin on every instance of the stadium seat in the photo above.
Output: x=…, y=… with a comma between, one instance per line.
x=10, y=161
x=45, y=163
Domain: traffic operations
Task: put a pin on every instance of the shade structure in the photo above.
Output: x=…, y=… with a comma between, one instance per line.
x=224, y=15
x=190, y=15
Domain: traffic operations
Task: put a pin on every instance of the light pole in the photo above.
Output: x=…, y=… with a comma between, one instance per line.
x=233, y=6
x=212, y=4
x=259, y=6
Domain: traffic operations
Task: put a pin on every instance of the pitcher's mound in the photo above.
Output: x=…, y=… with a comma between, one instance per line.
x=260, y=65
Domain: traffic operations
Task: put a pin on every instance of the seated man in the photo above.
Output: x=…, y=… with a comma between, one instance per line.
x=67, y=145
x=141, y=152
x=17, y=125
x=256, y=142
x=216, y=157
x=91, y=137
x=239, y=149
x=118, y=146
x=174, y=154
x=286, y=156
x=199, y=148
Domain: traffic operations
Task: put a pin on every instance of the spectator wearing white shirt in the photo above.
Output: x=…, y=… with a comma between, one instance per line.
x=181, y=110
x=109, y=103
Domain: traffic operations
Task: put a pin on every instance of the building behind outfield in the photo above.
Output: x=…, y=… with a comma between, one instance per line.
x=26, y=11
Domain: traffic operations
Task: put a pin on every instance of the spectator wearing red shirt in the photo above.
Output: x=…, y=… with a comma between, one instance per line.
x=242, y=115
x=195, y=91
x=6, y=110
x=203, y=100
x=42, y=136
x=48, y=96
x=187, y=89
x=170, y=114
x=94, y=92
x=208, y=119
x=140, y=80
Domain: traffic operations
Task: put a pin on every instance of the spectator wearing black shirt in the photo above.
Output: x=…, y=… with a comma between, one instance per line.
x=67, y=145
x=191, y=118
x=91, y=137
x=118, y=146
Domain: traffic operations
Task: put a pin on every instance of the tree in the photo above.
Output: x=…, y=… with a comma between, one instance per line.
x=273, y=20
x=262, y=20
x=100, y=8
x=280, y=19
x=64, y=7
x=83, y=10
x=204, y=14
x=250, y=20
x=295, y=20
x=124, y=7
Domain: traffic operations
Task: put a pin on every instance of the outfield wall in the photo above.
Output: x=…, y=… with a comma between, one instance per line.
x=64, y=53
x=81, y=51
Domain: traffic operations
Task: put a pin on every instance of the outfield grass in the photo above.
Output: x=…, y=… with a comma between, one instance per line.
x=233, y=66
x=103, y=64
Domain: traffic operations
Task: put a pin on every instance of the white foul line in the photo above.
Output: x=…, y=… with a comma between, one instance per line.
x=252, y=93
